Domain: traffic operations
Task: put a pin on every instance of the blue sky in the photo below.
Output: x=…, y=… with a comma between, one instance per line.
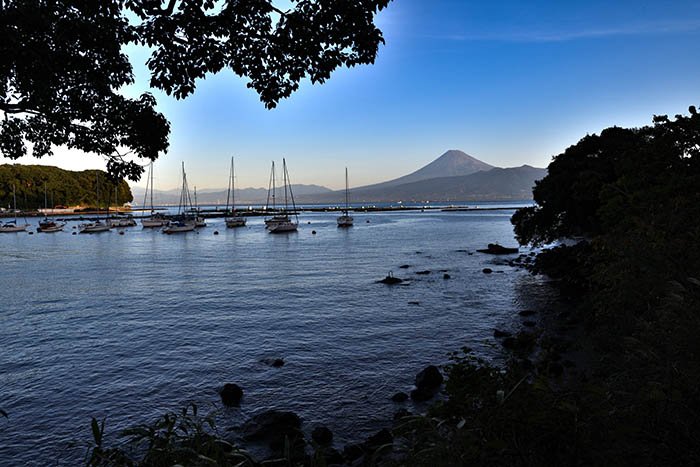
x=508, y=82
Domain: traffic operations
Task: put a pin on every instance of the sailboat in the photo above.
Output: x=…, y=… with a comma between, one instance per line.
x=49, y=225
x=232, y=220
x=198, y=220
x=13, y=226
x=284, y=223
x=123, y=220
x=97, y=226
x=184, y=221
x=277, y=217
x=346, y=219
x=156, y=219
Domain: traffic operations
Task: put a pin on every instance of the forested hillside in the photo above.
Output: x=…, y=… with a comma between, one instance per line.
x=64, y=187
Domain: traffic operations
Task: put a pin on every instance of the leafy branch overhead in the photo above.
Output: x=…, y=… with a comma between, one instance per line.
x=63, y=64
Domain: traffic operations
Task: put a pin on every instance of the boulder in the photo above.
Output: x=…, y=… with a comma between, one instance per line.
x=231, y=395
x=379, y=439
x=322, y=435
x=352, y=452
x=428, y=383
x=429, y=378
x=272, y=425
x=399, y=397
x=390, y=280
x=446, y=276
x=496, y=249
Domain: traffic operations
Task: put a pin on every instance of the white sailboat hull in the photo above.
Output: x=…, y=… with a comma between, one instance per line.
x=12, y=227
x=153, y=223
x=282, y=227
x=114, y=223
x=233, y=222
x=95, y=227
x=179, y=227
x=50, y=227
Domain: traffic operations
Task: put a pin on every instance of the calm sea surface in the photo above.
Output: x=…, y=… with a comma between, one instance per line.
x=130, y=326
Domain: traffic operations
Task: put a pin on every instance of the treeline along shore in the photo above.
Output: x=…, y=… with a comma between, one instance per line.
x=39, y=186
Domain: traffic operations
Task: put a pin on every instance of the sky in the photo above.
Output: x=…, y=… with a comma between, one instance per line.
x=509, y=82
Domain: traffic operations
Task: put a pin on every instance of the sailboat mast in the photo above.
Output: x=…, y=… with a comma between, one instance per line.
x=233, y=187
x=151, y=173
x=284, y=177
x=274, y=188
x=46, y=204
x=14, y=202
x=228, y=193
x=346, y=191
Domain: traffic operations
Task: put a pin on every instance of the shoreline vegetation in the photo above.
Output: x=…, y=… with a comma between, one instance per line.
x=610, y=379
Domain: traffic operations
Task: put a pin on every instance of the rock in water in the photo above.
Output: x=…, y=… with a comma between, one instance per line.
x=487, y=270
x=390, y=280
x=381, y=438
x=322, y=435
x=496, y=249
x=399, y=397
x=272, y=425
x=428, y=383
x=231, y=395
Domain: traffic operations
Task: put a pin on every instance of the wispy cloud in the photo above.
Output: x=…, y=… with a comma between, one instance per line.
x=658, y=28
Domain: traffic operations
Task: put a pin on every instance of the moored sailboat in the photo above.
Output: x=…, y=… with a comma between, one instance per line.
x=99, y=225
x=156, y=219
x=184, y=221
x=346, y=219
x=284, y=223
x=232, y=219
x=49, y=225
x=13, y=226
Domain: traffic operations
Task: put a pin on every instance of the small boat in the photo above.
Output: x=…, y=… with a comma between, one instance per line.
x=13, y=226
x=199, y=221
x=157, y=219
x=346, y=219
x=122, y=221
x=49, y=225
x=232, y=220
x=98, y=226
x=184, y=221
x=283, y=223
x=94, y=227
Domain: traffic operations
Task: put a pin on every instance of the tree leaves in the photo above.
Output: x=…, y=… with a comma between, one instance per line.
x=63, y=64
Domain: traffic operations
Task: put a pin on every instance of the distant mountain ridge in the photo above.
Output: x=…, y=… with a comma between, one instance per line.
x=454, y=176
x=218, y=195
x=452, y=163
x=513, y=183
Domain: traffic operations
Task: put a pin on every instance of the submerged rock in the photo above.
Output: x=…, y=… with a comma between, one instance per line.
x=390, y=280
x=399, y=397
x=272, y=425
x=231, y=395
x=428, y=382
x=446, y=276
x=423, y=273
x=496, y=249
x=322, y=435
x=404, y=266
x=487, y=270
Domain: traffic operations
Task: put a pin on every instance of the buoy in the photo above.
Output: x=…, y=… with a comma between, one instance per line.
x=75, y=233
x=121, y=232
x=309, y=222
x=31, y=233
x=313, y=232
x=216, y=232
x=368, y=221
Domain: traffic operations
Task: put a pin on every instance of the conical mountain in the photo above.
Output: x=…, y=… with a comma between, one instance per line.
x=453, y=163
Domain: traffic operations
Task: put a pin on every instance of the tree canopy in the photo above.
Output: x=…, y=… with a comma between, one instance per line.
x=63, y=64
